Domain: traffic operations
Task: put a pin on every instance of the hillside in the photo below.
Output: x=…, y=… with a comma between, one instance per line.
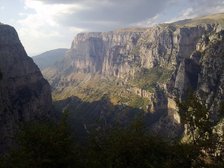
x=24, y=94
x=143, y=69
x=49, y=58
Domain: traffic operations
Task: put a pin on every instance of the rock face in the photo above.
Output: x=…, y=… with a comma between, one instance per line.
x=211, y=76
x=166, y=60
x=118, y=53
x=24, y=94
x=123, y=52
x=104, y=53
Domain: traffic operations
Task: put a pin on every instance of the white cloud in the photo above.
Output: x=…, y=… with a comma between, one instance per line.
x=184, y=14
x=203, y=7
x=196, y=10
x=149, y=22
x=2, y=8
x=47, y=24
x=39, y=31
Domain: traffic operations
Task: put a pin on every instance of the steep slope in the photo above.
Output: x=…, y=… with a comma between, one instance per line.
x=203, y=72
x=144, y=68
x=24, y=94
x=49, y=58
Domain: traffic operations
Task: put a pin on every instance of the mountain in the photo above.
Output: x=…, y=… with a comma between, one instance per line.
x=49, y=58
x=24, y=94
x=145, y=69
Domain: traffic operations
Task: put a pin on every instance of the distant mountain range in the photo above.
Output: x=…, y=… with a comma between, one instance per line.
x=49, y=58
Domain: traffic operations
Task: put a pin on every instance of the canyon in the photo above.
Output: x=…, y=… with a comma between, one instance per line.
x=115, y=76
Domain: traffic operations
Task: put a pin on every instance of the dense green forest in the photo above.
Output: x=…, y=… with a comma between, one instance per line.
x=47, y=144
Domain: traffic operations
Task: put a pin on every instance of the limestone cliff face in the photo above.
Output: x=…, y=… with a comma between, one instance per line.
x=24, y=93
x=203, y=71
x=173, y=57
x=167, y=45
x=104, y=53
x=124, y=52
x=211, y=77
x=121, y=53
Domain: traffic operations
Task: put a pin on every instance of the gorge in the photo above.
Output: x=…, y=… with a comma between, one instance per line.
x=134, y=97
x=141, y=70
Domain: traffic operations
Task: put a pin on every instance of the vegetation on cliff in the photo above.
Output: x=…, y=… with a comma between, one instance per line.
x=201, y=131
x=52, y=145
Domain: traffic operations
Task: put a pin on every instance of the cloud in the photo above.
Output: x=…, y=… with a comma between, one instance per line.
x=56, y=21
x=2, y=7
x=202, y=7
x=184, y=14
x=39, y=29
x=82, y=1
x=149, y=22
x=61, y=1
x=102, y=15
x=195, y=8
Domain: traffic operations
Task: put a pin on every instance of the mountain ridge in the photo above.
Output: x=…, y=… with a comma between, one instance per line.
x=49, y=58
x=146, y=69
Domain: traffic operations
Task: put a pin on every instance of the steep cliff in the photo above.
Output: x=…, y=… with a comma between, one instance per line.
x=123, y=52
x=24, y=93
x=203, y=72
x=145, y=68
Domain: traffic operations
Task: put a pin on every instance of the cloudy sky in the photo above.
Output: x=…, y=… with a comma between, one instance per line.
x=48, y=24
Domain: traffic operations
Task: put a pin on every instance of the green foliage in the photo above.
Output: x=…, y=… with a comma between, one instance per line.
x=42, y=144
x=47, y=144
x=195, y=115
x=147, y=78
x=133, y=147
x=139, y=102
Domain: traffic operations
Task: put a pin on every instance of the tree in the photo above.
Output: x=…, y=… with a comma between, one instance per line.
x=196, y=117
x=134, y=147
x=42, y=144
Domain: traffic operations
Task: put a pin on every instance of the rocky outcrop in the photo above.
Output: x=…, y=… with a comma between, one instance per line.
x=211, y=77
x=203, y=73
x=105, y=53
x=120, y=53
x=24, y=94
x=175, y=58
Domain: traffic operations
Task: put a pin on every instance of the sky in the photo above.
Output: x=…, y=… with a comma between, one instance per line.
x=43, y=25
